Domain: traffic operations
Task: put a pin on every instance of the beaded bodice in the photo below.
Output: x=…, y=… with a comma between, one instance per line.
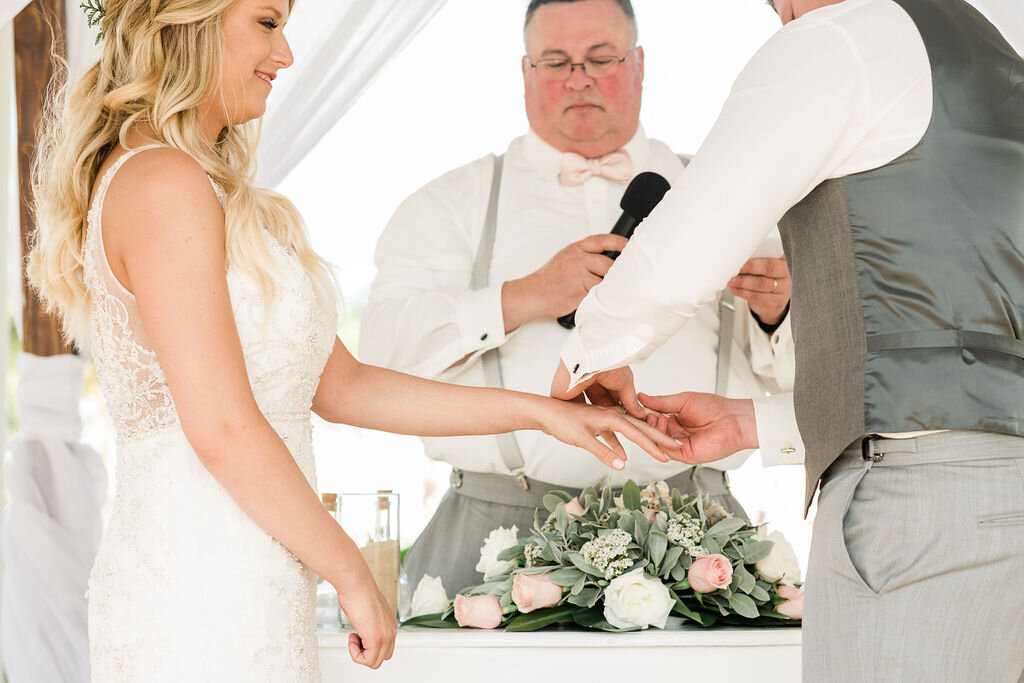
x=285, y=344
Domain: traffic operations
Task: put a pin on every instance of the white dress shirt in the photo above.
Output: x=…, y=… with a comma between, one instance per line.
x=422, y=318
x=843, y=89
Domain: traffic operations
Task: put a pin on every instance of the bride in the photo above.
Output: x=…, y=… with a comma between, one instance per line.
x=212, y=326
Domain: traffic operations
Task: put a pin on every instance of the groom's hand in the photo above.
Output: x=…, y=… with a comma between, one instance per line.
x=610, y=388
x=707, y=427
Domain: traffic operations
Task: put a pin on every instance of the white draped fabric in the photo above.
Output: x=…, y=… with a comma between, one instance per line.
x=339, y=47
x=51, y=528
x=10, y=8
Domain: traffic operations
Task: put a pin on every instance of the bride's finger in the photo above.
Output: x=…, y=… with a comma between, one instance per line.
x=612, y=441
x=606, y=455
x=646, y=437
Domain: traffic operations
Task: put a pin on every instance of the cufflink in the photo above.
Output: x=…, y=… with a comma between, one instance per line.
x=483, y=336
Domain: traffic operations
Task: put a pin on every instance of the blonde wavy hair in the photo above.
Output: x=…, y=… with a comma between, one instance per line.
x=160, y=59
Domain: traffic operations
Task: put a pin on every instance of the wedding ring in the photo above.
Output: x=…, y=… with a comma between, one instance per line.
x=776, y=285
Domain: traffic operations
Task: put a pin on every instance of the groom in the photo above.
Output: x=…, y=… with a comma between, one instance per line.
x=891, y=135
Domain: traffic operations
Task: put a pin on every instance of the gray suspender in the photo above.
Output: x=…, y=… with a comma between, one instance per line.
x=507, y=444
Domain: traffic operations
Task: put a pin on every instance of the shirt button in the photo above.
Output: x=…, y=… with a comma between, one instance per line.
x=483, y=336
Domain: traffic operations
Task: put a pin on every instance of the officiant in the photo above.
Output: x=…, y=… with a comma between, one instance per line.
x=889, y=139
x=475, y=268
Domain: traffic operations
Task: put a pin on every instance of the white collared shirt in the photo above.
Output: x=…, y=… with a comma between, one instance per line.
x=422, y=318
x=845, y=88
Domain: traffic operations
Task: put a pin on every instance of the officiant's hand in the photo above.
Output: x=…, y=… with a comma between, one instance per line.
x=558, y=287
x=765, y=284
x=708, y=427
x=372, y=618
x=610, y=388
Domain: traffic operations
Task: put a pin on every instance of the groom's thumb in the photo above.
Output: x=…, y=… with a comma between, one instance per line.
x=663, y=404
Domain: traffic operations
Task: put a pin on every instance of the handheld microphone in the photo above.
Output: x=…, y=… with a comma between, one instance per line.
x=641, y=196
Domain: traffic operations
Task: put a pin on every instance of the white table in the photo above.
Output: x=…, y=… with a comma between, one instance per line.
x=722, y=655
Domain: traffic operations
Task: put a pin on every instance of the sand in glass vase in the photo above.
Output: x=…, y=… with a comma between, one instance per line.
x=371, y=520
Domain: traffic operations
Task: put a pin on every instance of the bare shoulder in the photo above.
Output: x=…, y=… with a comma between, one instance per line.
x=160, y=193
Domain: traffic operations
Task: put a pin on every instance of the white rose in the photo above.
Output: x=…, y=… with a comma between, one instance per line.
x=781, y=563
x=429, y=597
x=634, y=599
x=497, y=541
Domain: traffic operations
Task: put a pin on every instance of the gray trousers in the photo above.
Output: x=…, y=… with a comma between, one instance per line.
x=916, y=570
x=476, y=504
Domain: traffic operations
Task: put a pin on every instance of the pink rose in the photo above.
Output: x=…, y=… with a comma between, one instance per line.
x=709, y=573
x=573, y=508
x=794, y=605
x=478, y=611
x=534, y=591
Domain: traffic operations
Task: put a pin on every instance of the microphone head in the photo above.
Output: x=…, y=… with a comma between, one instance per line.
x=643, y=193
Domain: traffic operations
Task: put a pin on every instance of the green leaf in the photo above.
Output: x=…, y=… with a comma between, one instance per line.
x=585, y=598
x=693, y=615
x=642, y=525
x=747, y=582
x=588, y=618
x=757, y=551
x=727, y=527
x=631, y=495
x=566, y=576
x=579, y=585
x=671, y=560
x=657, y=544
x=551, y=500
x=628, y=524
x=561, y=518
x=743, y=605
x=606, y=500
x=431, y=621
x=711, y=545
x=679, y=572
x=541, y=618
x=759, y=594
x=583, y=565
x=511, y=553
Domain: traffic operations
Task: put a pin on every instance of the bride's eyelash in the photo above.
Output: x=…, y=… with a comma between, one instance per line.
x=269, y=23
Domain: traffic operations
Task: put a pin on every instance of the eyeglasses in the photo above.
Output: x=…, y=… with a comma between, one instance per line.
x=560, y=68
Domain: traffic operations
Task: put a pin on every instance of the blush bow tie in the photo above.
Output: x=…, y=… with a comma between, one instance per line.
x=576, y=169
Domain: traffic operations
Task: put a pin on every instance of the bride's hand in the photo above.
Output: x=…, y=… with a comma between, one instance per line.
x=372, y=619
x=579, y=424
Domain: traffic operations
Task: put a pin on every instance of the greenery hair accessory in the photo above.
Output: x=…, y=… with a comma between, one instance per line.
x=94, y=13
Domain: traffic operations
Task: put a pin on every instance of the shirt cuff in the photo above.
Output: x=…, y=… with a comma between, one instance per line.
x=583, y=363
x=480, y=320
x=777, y=433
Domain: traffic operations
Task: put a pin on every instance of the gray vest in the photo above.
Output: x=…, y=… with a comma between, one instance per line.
x=908, y=279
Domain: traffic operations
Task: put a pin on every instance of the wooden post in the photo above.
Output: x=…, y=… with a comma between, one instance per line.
x=33, y=70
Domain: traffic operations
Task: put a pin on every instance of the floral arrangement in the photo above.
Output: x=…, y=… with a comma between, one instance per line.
x=624, y=564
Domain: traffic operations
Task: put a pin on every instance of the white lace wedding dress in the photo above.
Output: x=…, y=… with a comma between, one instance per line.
x=186, y=587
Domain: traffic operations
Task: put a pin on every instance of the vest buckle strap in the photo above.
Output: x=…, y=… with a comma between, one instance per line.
x=458, y=479
x=867, y=449
x=521, y=478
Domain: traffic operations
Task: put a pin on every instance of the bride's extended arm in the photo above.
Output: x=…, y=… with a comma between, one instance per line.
x=170, y=253
x=353, y=393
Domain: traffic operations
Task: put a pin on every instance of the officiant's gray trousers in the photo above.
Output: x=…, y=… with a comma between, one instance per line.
x=478, y=503
x=916, y=572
